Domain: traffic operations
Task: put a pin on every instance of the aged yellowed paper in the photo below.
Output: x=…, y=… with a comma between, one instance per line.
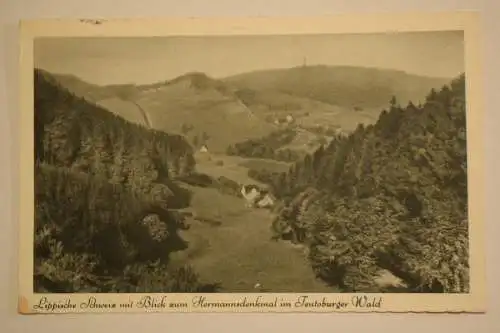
x=326, y=164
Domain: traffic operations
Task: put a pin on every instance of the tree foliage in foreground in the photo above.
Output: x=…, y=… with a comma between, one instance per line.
x=103, y=194
x=71, y=132
x=94, y=236
x=392, y=195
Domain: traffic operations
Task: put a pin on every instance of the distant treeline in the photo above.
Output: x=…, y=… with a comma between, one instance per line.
x=268, y=147
x=251, y=97
x=322, y=130
x=103, y=194
x=391, y=196
x=73, y=132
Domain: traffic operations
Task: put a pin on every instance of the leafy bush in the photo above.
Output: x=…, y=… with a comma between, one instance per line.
x=155, y=277
x=82, y=241
x=64, y=272
x=228, y=186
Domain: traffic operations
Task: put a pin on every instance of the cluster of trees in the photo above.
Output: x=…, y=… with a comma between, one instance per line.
x=200, y=139
x=222, y=184
x=103, y=194
x=264, y=176
x=197, y=139
x=72, y=132
x=272, y=102
x=391, y=196
x=267, y=147
x=322, y=130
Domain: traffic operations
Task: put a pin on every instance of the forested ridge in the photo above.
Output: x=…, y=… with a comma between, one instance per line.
x=389, y=196
x=392, y=196
x=269, y=147
x=103, y=195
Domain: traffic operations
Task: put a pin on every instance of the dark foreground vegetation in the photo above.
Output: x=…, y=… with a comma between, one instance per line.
x=104, y=194
x=391, y=196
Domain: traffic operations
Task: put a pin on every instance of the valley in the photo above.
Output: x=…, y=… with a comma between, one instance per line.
x=231, y=244
x=235, y=250
x=171, y=159
x=219, y=112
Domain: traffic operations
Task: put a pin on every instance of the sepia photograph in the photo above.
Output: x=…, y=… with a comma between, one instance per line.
x=312, y=163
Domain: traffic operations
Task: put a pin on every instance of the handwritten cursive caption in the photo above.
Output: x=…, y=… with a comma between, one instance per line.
x=206, y=303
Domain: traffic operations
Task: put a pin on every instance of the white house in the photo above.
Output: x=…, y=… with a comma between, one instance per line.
x=256, y=197
x=204, y=149
x=266, y=202
x=250, y=195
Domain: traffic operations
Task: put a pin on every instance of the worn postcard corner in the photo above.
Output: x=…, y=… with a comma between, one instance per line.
x=252, y=165
x=22, y=305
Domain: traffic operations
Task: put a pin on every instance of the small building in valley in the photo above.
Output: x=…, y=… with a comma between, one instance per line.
x=250, y=194
x=256, y=197
x=204, y=149
x=266, y=201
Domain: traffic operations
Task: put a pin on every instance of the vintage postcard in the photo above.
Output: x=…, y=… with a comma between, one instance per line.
x=327, y=164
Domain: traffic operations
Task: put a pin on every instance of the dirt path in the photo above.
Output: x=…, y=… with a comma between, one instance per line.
x=232, y=246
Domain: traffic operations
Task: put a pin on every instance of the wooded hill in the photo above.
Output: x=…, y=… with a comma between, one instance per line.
x=267, y=147
x=225, y=111
x=391, y=196
x=103, y=194
x=345, y=86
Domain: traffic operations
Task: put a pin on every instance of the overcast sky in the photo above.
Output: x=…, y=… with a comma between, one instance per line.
x=104, y=60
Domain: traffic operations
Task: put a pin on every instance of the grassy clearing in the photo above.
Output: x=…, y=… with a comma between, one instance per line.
x=239, y=253
x=263, y=164
x=232, y=167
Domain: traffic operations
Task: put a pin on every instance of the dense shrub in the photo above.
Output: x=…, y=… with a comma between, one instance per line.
x=87, y=227
x=228, y=186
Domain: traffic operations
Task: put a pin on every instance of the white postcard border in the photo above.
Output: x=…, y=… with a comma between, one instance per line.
x=475, y=301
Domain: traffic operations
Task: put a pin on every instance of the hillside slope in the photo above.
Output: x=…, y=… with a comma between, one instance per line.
x=103, y=193
x=117, y=99
x=222, y=112
x=391, y=195
x=340, y=85
x=203, y=109
x=91, y=92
